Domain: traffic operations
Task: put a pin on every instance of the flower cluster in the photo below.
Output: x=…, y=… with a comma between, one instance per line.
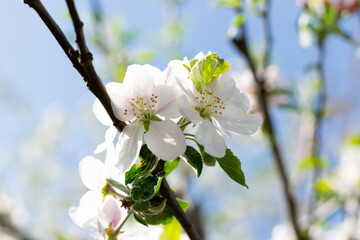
x=158, y=107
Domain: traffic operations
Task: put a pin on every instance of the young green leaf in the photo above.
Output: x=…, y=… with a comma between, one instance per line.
x=118, y=185
x=207, y=159
x=147, y=162
x=193, y=158
x=169, y=166
x=145, y=188
x=207, y=69
x=140, y=219
x=232, y=167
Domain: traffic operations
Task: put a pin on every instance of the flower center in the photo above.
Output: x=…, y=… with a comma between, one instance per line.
x=142, y=108
x=209, y=104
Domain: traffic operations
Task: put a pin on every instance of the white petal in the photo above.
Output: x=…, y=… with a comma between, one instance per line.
x=211, y=138
x=154, y=72
x=165, y=139
x=110, y=213
x=188, y=111
x=246, y=124
x=121, y=96
x=92, y=173
x=140, y=80
x=167, y=106
x=223, y=86
x=174, y=69
x=109, y=140
x=240, y=100
x=86, y=214
x=128, y=146
x=101, y=114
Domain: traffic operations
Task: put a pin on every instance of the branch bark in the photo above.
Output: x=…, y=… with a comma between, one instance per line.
x=82, y=62
x=88, y=73
x=242, y=46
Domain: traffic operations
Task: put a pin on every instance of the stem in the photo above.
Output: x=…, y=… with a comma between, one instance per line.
x=123, y=222
x=242, y=46
x=85, y=68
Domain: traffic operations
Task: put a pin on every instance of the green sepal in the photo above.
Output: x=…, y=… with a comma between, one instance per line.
x=147, y=162
x=207, y=69
x=193, y=158
x=232, y=167
x=118, y=185
x=140, y=219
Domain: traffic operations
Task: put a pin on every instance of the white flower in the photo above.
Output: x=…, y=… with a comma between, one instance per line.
x=148, y=104
x=218, y=108
x=283, y=231
x=94, y=212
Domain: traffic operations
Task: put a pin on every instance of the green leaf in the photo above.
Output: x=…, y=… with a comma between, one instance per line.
x=183, y=204
x=170, y=166
x=141, y=206
x=353, y=140
x=165, y=217
x=207, y=69
x=147, y=162
x=145, y=188
x=192, y=62
x=118, y=185
x=193, y=158
x=229, y=3
x=232, y=167
x=207, y=158
x=172, y=231
x=158, y=209
x=140, y=219
x=310, y=162
x=239, y=20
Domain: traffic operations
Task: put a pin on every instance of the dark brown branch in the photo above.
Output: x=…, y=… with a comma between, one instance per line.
x=9, y=228
x=242, y=46
x=175, y=208
x=88, y=73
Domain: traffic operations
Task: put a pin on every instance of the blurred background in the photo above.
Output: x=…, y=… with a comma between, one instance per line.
x=47, y=125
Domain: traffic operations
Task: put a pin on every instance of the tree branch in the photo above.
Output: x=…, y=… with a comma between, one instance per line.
x=242, y=46
x=88, y=73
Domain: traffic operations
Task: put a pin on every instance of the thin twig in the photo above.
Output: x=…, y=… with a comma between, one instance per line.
x=86, y=69
x=89, y=75
x=9, y=228
x=241, y=43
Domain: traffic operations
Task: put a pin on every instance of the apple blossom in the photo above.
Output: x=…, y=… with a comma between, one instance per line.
x=217, y=106
x=148, y=104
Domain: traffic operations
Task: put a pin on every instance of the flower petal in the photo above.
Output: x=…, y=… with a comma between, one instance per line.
x=246, y=124
x=101, y=114
x=92, y=173
x=174, y=69
x=140, y=80
x=86, y=213
x=188, y=111
x=128, y=146
x=110, y=213
x=211, y=138
x=166, y=106
x=223, y=86
x=165, y=139
x=240, y=100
